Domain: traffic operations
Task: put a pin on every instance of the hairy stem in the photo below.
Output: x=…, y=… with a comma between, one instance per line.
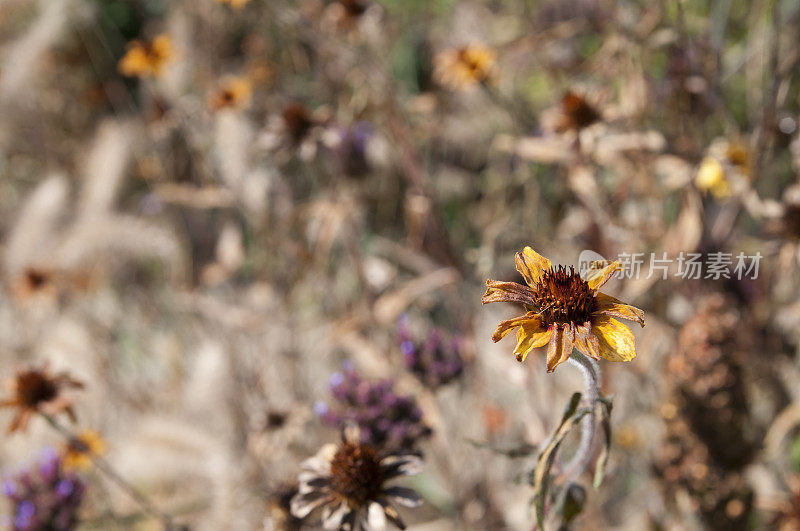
x=591, y=378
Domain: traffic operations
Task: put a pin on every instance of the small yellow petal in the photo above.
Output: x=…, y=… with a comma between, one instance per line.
x=608, y=305
x=599, y=276
x=531, y=265
x=529, y=338
x=616, y=339
x=530, y=319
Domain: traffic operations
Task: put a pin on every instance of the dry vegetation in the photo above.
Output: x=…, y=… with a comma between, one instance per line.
x=241, y=225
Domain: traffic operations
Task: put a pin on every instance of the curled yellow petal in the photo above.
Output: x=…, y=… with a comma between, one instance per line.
x=530, y=319
x=608, y=305
x=531, y=265
x=530, y=337
x=600, y=273
x=616, y=339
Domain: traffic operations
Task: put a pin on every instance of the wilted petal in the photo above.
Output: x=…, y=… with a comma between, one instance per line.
x=608, y=305
x=560, y=347
x=497, y=291
x=376, y=518
x=303, y=504
x=616, y=339
x=531, y=265
x=587, y=342
x=392, y=514
x=403, y=496
x=401, y=465
x=599, y=276
x=529, y=338
x=333, y=515
x=531, y=319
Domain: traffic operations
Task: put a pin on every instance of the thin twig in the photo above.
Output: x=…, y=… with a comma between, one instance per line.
x=114, y=476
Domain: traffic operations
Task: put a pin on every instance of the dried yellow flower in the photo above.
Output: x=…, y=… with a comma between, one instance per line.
x=564, y=311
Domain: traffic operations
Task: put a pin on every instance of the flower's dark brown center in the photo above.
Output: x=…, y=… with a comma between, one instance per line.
x=356, y=473
x=33, y=388
x=562, y=296
x=578, y=112
x=470, y=62
x=297, y=122
x=36, y=279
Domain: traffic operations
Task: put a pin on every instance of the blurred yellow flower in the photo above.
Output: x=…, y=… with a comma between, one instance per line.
x=236, y=4
x=464, y=67
x=147, y=59
x=234, y=93
x=725, y=168
x=711, y=178
x=77, y=453
x=564, y=311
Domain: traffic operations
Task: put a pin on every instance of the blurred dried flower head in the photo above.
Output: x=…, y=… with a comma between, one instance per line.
x=465, y=67
x=351, y=149
x=576, y=112
x=435, y=362
x=348, y=483
x=147, y=59
x=386, y=420
x=37, y=391
x=45, y=497
x=235, y=4
x=297, y=121
x=724, y=170
x=233, y=93
x=34, y=282
x=564, y=311
x=78, y=451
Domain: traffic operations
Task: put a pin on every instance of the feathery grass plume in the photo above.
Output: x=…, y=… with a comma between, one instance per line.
x=564, y=311
x=710, y=439
x=33, y=234
x=22, y=57
x=45, y=496
x=348, y=484
x=37, y=391
x=104, y=170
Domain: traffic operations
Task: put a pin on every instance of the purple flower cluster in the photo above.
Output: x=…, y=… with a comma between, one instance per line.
x=44, y=497
x=389, y=422
x=435, y=361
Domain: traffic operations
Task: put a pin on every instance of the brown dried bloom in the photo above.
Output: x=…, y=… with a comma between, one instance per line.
x=348, y=483
x=576, y=113
x=297, y=122
x=564, y=311
x=36, y=391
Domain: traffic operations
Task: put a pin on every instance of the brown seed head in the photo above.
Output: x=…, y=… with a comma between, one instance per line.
x=356, y=473
x=562, y=296
x=34, y=388
x=577, y=112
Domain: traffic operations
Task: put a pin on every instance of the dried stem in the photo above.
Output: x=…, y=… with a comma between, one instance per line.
x=106, y=468
x=591, y=378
